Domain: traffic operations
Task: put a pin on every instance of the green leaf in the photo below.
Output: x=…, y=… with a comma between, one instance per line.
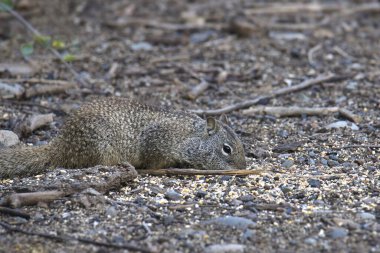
x=69, y=58
x=58, y=44
x=42, y=40
x=7, y=3
x=27, y=49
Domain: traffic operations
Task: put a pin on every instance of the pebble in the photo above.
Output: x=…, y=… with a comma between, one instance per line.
x=248, y=234
x=225, y=248
x=366, y=216
x=168, y=219
x=332, y=163
x=287, y=163
x=283, y=133
x=39, y=217
x=310, y=241
x=225, y=178
x=173, y=195
x=311, y=161
x=246, y=198
x=231, y=221
x=66, y=215
x=141, y=46
x=315, y=183
x=8, y=138
x=324, y=161
x=111, y=211
x=340, y=124
x=201, y=194
x=337, y=232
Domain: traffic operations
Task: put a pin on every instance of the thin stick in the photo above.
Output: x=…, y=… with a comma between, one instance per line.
x=275, y=93
x=357, y=146
x=16, y=200
x=282, y=111
x=35, y=32
x=13, y=212
x=36, y=81
x=70, y=238
x=193, y=172
x=198, y=90
x=310, y=54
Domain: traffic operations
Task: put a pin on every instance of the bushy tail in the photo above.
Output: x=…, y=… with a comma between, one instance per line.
x=23, y=162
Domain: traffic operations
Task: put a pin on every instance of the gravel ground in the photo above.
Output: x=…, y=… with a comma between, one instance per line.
x=319, y=190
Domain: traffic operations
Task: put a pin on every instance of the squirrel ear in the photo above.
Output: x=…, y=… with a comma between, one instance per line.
x=223, y=118
x=212, y=125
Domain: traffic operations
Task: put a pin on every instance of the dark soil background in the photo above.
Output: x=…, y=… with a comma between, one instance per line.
x=319, y=191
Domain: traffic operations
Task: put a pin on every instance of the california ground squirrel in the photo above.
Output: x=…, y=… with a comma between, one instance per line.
x=111, y=131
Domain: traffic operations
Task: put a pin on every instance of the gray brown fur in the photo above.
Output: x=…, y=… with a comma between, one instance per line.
x=111, y=131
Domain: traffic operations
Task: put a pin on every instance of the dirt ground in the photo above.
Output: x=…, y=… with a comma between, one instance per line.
x=320, y=185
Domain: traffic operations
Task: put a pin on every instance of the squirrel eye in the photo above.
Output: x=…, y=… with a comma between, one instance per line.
x=227, y=149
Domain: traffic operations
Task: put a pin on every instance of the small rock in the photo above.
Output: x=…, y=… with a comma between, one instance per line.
x=111, y=211
x=168, y=219
x=248, y=234
x=340, y=124
x=66, y=215
x=246, y=198
x=225, y=178
x=283, y=133
x=332, y=163
x=141, y=46
x=366, y=216
x=285, y=189
x=337, y=232
x=118, y=239
x=310, y=241
x=311, y=161
x=201, y=37
x=315, y=183
x=200, y=194
x=11, y=90
x=225, y=248
x=324, y=161
x=231, y=221
x=287, y=35
x=39, y=217
x=347, y=223
x=173, y=195
x=287, y=164
x=235, y=202
x=8, y=138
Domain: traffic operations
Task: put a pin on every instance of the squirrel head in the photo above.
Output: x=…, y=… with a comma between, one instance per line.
x=216, y=148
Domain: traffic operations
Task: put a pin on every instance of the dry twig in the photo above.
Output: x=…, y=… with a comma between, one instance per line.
x=70, y=238
x=193, y=172
x=38, y=90
x=164, y=26
x=275, y=93
x=357, y=146
x=72, y=181
x=33, y=122
x=17, y=200
x=282, y=111
x=291, y=8
x=198, y=90
x=310, y=54
x=13, y=212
